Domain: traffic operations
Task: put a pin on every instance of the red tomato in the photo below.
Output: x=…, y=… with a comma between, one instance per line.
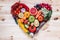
x=32, y=29
x=40, y=18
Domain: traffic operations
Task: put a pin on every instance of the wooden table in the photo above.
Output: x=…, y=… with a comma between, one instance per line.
x=9, y=30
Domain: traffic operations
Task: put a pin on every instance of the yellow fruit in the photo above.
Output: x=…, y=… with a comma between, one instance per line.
x=26, y=14
x=22, y=25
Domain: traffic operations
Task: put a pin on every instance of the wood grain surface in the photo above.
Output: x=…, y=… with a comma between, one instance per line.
x=9, y=30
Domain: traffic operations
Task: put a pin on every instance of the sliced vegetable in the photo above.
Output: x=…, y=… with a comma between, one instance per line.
x=20, y=15
x=36, y=23
x=26, y=14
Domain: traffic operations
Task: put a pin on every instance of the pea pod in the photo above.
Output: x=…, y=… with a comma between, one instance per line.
x=22, y=26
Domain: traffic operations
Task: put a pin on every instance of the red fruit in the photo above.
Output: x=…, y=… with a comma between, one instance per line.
x=25, y=21
x=16, y=12
x=15, y=9
x=42, y=4
x=33, y=11
x=14, y=6
x=48, y=7
x=27, y=9
x=21, y=6
x=32, y=29
x=24, y=6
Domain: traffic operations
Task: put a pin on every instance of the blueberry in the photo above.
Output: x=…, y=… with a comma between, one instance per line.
x=38, y=7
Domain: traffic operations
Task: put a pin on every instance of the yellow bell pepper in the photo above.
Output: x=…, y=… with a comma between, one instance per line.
x=26, y=14
x=22, y=26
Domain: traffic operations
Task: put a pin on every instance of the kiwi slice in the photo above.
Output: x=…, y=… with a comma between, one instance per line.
x=31, y=19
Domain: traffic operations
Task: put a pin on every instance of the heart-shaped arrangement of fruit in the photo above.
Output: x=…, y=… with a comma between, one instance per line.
x=31, y=19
